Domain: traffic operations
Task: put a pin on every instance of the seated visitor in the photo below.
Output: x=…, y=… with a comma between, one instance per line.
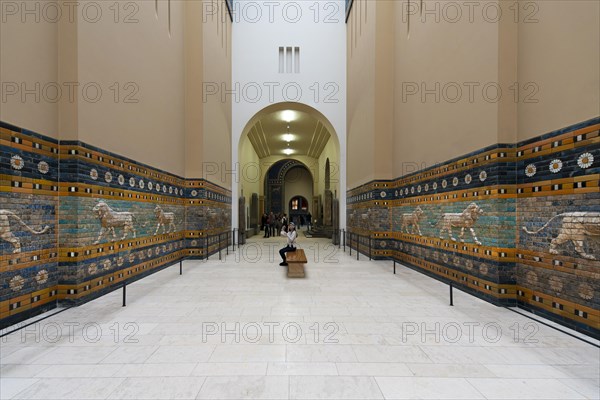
x=291, y=235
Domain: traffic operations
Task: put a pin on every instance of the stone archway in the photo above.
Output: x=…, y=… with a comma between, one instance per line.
x=261, y=151
x=274, y=184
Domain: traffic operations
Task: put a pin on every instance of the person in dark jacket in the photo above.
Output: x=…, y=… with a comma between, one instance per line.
x=284, y=221
x=265, y=224
x=272, y=224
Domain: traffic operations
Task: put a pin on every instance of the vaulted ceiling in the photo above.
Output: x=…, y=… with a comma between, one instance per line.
x=308, y=135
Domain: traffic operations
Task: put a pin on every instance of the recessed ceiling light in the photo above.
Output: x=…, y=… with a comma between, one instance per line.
x=288, y=137
x=288, y=151
x=288, y=115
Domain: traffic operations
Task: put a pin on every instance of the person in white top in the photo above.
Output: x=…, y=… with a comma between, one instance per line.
x=291, y=235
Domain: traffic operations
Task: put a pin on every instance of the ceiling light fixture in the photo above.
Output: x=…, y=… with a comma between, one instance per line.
x=288, y=151
x=288, y=115
x=288, y=137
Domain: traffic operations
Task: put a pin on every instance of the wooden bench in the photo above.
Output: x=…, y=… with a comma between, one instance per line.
x=296, y=260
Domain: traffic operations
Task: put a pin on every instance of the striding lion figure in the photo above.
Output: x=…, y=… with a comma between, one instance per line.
x=464, y=220
x=576, y=226
x=110, y=219
x=7, y=235
x=164, y=218
x=410, y=221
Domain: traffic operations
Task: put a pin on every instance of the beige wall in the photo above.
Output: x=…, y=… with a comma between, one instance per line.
x=28, y=56
x=370, y=114
x=217, y=111
x=207, y=123
x=194, y=76
x=149, y=127
x=559, y=54
x=427, y=129
x=361, y=93
x=549, y=53
x=68, y=71
x=383, y=133
x=151, y=106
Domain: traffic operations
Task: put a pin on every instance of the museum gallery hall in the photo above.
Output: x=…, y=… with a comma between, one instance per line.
x=346, y=199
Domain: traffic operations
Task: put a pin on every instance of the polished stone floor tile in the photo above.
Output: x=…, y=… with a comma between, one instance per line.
x=181, y=354
x=248, y=353
x=21, y=370
x=70, y=388
x=525, y=371
x=587, y=387
x=24, y=355
x=74, y=355
x=521, y=389
x=81, y=371
x=154, y=370
x=158, y=388
x=377, y=353
x=320, y=353
x=230, y=369
x=451, y=370
x=245, y=387
x=302, y=368
x=374, y=369
x=334, y=387
x=10, y=387
x=428, y=388
x=129, y=355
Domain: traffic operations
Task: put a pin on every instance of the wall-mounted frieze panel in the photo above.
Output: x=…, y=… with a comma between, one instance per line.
x=541, y=217
x=84, y=225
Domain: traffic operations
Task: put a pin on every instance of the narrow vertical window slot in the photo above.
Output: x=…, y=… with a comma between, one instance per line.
x=288, y=60
x=281, y=61
x=297, y=60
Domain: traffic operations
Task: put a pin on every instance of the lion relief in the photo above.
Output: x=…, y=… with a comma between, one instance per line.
x=575, y=228
x=7, y=235
x=464, y=220
x=110, y=219
x=410, y=221
x=164, y=219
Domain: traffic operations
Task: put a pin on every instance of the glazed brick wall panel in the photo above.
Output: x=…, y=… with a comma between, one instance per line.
x=94, y=260
x=496, y=227
x=516, y=185
x=208, y=219
x=82, y=225
x=66, y=263
x=29, y=191
x=38, y=212
x=558, y=173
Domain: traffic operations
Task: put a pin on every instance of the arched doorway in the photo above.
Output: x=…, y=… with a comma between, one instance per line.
x=298, y=210
x=275, y=141
x=285, y=179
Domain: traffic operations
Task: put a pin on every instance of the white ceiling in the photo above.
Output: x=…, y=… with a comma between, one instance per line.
x=309, y=135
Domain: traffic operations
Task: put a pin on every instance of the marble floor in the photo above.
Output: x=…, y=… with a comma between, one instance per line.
x=240, y=329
